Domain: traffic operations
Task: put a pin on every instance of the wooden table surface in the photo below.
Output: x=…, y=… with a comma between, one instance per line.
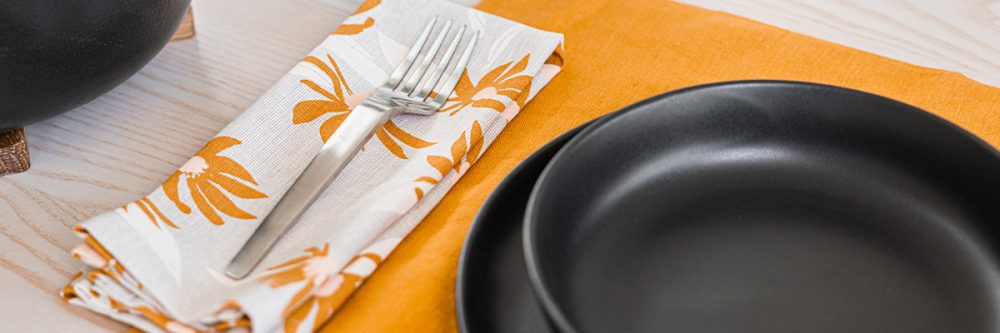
x=124, y=144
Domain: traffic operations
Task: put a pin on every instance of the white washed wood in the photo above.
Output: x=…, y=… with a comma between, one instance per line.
x=958, y=35
x=125, y=143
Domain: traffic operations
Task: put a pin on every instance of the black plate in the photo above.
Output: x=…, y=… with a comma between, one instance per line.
x=768, y=207
x=492, y=291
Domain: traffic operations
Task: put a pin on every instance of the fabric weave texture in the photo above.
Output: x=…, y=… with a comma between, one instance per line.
x=157, y=263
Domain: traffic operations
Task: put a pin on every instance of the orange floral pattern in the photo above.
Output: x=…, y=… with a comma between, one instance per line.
x=506, y=80
x=333, y=296
x=339, y=101
x=328, y=292
x=152, y=212
x=107, y=267
x=152, y=314
x=469, y=150
x=209, y=177
x=315, y=268
x=354, y=29
x=171, y=233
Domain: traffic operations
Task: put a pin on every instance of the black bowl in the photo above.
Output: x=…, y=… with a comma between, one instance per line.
x=56, y=55
x=768, y=207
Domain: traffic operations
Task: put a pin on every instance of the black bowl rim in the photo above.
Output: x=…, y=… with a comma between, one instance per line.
x=552, y=309
x=475, y=230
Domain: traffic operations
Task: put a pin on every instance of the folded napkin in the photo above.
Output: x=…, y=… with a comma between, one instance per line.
x=624, y=51
x=157, y=263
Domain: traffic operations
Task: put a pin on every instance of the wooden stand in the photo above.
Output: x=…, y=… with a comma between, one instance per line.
x=13, y=152
x=186, y=30
x=13, y=147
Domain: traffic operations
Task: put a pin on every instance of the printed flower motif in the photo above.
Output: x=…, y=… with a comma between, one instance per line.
x=92, y=253
x=314, y=268
x=209, y=176
x=505, y=80
x=460, y=149
x=145, y=218
x=329, y=296
x=340, y=100
x=152, y=212
x=332, y=293
x=90, y=284
x=230, y=316
x=164, y=321
x=354, y=29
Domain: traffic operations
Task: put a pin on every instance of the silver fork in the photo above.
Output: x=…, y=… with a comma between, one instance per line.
x=399, y=94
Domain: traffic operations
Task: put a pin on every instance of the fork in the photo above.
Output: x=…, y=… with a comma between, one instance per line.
x=409, y=89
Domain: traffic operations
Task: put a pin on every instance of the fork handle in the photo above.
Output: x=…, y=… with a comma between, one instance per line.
x=336, y=153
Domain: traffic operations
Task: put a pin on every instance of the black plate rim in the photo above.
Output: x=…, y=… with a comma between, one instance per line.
x=544, y=296
x=475, y=229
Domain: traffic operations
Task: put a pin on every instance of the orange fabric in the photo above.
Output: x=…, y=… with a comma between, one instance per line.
x=619, y=52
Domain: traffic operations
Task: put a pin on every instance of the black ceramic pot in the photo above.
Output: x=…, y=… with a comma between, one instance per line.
x=56, y=55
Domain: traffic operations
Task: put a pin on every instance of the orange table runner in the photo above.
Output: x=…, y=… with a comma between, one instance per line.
x=619, y=52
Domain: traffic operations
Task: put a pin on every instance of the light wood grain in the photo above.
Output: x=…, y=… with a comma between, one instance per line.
x=122, y=145
x=957, y=35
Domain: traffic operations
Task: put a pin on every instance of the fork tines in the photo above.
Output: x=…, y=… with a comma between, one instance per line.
x=426, y=75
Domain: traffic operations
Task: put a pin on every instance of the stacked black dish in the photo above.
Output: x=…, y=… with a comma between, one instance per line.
x=743, y=207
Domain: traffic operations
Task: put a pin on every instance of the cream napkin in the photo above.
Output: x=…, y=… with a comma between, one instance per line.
x=157, y=263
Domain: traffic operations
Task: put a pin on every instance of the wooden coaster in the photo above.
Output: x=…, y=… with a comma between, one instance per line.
x=186, y=30
x=13, y=152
